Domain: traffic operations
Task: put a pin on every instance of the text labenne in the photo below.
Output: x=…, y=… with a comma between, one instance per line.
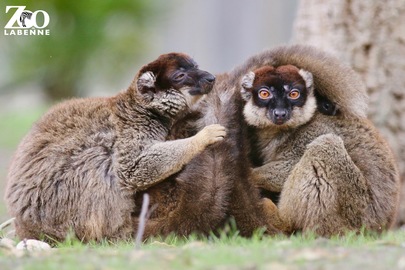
x=27, y=32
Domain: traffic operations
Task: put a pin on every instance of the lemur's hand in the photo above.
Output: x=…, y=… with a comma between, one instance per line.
x=210, y=135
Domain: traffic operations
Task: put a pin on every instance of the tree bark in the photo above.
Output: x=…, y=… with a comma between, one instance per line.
x=369, y=36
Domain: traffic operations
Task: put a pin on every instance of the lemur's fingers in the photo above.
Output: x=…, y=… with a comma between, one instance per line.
x=212, y=134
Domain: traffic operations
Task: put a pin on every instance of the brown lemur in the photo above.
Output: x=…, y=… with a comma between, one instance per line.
x=334, y=170
x=215, y=185
x=81, y=164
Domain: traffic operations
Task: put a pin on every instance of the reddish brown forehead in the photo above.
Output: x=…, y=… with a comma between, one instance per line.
x=286, y=73
x=177, y=60
x=168, y=62
x=264, y=74
x=289, y=73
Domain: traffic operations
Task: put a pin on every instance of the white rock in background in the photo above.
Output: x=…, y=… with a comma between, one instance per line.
x=32, y=245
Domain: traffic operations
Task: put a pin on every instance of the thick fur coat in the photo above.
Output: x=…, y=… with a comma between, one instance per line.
x=80, y=166
x=85, y=164
x=335, y=172
x=215, y=185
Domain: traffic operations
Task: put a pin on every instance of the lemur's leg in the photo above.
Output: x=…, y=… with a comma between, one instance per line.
x=326, y=192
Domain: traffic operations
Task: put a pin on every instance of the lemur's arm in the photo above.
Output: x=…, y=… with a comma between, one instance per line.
x=271, y=176
x=162, y=159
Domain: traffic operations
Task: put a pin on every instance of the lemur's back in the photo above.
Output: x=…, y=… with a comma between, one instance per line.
x=68, y=151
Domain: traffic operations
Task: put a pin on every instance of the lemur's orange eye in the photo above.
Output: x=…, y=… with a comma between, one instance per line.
x=294, y=94
x=265, y=93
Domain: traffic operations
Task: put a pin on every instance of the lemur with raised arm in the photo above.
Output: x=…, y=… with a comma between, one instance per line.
x=80, y=166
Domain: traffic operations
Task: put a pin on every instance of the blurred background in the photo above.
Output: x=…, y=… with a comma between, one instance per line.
x=96, y=47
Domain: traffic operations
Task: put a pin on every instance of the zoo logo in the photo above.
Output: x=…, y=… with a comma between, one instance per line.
x=24, y=22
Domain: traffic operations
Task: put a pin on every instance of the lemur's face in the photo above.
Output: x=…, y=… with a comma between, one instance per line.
x=175, y=71
x=279, y=97
x=182, y=73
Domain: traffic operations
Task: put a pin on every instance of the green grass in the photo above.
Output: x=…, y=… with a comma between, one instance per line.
x=386, y=251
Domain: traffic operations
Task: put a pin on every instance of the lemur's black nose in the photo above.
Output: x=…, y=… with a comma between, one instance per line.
x=210, y=78
x=280, y=113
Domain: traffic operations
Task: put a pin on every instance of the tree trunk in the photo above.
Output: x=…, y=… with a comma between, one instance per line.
x=370, y=36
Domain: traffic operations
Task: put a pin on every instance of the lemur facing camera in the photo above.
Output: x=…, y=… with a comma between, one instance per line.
x=334, y=170
x=81, y=164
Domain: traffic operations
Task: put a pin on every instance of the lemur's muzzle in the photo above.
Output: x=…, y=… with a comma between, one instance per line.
x=205, y=83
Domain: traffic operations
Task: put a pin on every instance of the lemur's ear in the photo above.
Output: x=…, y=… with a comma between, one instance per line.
x=308, y=78
x=147, y=76
x=247, y=83
x=146, y=81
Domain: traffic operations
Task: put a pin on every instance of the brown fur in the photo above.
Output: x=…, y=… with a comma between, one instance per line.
x=214, y=185
x=82, y=163
x=75, y=169
x=336, y=172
